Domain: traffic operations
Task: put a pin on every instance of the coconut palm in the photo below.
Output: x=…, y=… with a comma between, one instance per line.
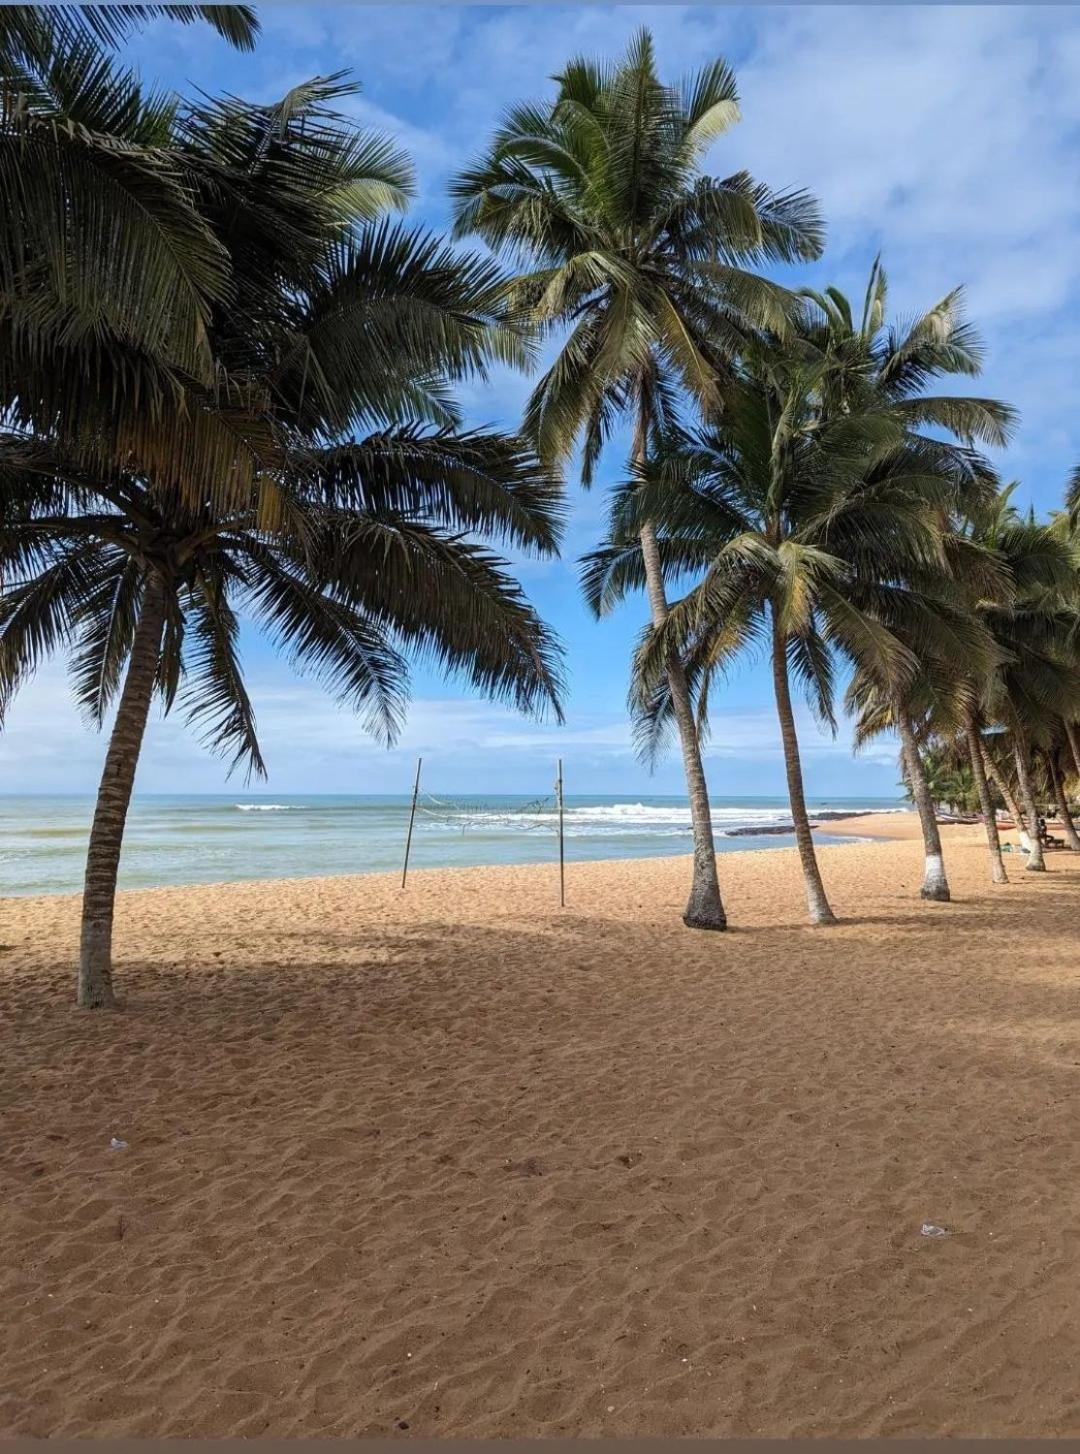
x=1001, y=772
x=788, y=532
x=941, y=755
x=738, y=504
x=641, y=259
x=346, y=511
x=31, y=34
x=935, y=712
x=1067, y=524
x=358, y=559
x=107, y=271
x=1054, y=779
x=1072, y=737
x=819, y=513
x=972, y=738
x=949, y=776
x=1036, y=684
x=896, y=365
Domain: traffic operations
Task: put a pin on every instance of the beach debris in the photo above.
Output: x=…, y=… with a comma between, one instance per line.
x=116, y=1144
x=929, y=1229
x=530, y=1166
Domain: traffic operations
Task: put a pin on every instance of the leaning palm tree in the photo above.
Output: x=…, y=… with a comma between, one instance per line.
x=1054, y=780
x=600, y=197
x=1001, y=773
x=348, y=511
x=973, y=741
x=361, y=557
x=1036, y=684
x=1067, y=525
x=941, y=747
x=896, y=365
x=1041, y=676
x=1071, y=730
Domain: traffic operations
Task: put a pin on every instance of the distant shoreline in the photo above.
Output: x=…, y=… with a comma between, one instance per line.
x=228, y=838
x=867, y=829
x=819, y=818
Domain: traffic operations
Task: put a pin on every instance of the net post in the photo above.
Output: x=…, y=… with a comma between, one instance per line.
x=412, y=819
x=562, y=850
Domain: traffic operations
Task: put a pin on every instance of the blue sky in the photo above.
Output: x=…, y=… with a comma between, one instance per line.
x=944, y=137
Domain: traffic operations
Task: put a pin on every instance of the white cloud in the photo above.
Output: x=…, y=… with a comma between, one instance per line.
x=311, y=744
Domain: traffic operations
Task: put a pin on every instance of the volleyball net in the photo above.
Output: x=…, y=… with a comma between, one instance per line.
x=538, y=815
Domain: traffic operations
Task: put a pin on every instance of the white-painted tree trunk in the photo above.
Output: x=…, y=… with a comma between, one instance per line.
x=935, y=884
x=1036, y=863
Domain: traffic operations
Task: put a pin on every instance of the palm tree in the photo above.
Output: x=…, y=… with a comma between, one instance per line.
x=949, y=777
x=1036, y=684
x=599, y=196
x=1072, y=737
x=107, y=271
x=943, y=737
x=355, y=537
x=894, y=365
x=819, y=515
x=739, y=503
x=1068, y=524
x=31, y=34
x=972, y=736
x=783, y=514
x=1055, y=780
x=1000, y=775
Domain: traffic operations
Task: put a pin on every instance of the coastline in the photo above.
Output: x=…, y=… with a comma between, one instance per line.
x=850, y=831
x=186, y=840
x=457, y=1159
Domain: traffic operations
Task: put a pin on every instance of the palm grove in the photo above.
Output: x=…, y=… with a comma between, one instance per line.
x=228, y=385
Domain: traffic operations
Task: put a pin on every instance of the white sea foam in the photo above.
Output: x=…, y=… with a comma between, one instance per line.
x=264, y=807
x=610, y=820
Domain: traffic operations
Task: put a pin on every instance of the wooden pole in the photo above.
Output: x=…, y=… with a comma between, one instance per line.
x=562, y=851
x=412, y=819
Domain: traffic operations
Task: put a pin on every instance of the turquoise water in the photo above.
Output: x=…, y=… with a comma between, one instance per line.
x=209, y=839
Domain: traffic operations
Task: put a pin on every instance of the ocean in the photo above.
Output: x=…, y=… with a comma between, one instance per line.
x=228, y=837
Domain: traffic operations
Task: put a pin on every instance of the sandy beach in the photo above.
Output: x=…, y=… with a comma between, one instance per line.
x=456, y=1162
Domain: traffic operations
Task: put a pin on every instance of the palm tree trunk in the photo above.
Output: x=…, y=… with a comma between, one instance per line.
x=818, y=903
x=705, y=908
x=1072, y=841
x=935, y=884
x=1036, y=863
x=986, y=803
x=1074, y=745
x=95, y=990
x=1012, y=806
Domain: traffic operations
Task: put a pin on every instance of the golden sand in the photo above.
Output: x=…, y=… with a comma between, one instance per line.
x=453, y=1162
